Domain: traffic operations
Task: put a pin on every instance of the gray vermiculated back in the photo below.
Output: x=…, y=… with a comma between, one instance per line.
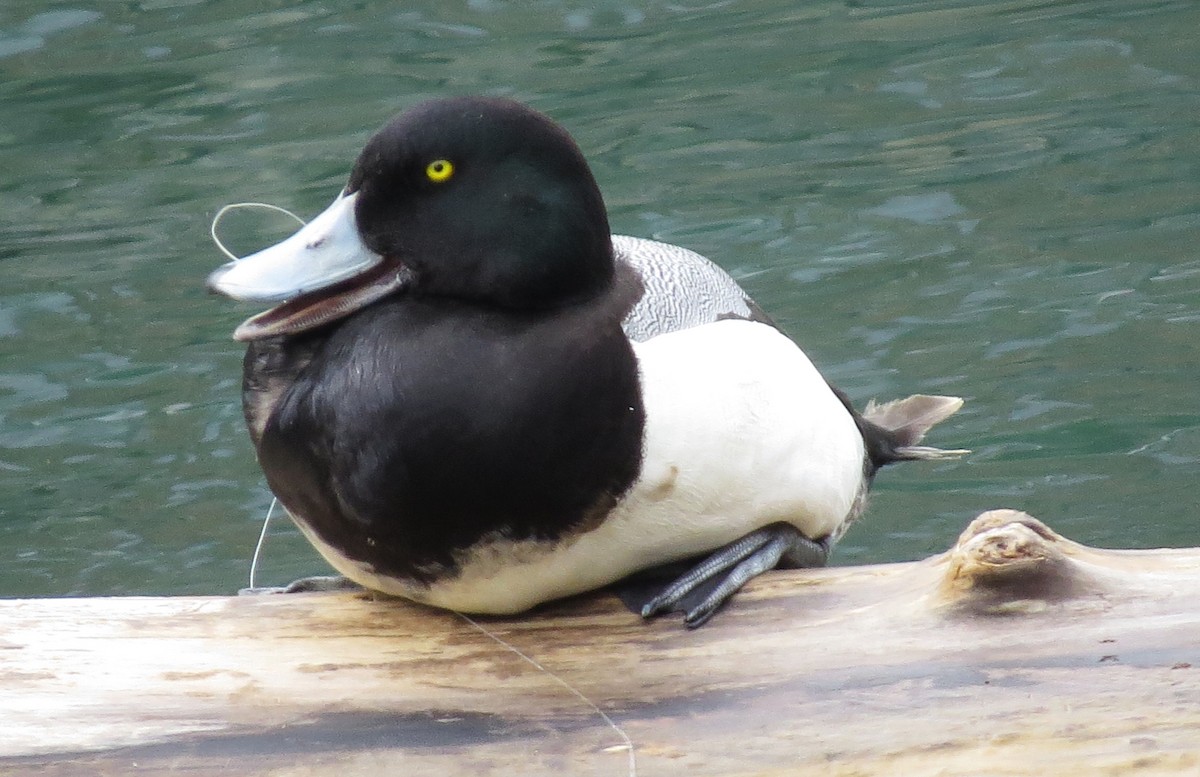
x=682, y=289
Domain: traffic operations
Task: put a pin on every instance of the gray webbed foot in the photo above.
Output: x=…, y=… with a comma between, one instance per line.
x=728, y=569
x=305, y=585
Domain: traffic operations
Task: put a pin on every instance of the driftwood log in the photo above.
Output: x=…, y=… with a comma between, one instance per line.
x=1016, y=653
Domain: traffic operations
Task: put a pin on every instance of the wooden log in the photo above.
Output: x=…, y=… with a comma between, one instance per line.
x=1017, y=652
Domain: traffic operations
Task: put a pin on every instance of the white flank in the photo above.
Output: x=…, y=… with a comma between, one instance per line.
x=742, y=431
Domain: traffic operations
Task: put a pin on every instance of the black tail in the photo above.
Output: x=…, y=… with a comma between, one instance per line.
x=892, y=430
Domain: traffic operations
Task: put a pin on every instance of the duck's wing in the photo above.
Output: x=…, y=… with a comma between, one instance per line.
x=680, y=289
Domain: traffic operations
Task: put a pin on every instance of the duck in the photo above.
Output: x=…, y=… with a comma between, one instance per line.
x=468, y=393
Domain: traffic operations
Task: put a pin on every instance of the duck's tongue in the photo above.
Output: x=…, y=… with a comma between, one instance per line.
x=321, y=273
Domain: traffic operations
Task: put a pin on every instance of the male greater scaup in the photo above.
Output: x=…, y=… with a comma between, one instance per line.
x=474, y=396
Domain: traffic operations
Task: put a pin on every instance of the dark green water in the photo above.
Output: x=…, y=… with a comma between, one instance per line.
x=994, y=199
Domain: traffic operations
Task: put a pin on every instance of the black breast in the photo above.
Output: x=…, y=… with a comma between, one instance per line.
x=415, y=428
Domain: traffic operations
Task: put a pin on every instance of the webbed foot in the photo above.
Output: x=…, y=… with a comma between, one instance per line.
x=305, y=585
x=702, y=591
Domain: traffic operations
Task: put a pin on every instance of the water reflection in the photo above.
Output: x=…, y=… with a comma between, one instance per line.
x=997, y=200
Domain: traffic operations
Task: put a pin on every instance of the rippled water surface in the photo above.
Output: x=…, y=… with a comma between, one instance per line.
x=994, y=199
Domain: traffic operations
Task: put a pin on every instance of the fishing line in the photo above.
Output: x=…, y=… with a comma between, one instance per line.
x=212, y=229
x=262, y=537
x=626, y=742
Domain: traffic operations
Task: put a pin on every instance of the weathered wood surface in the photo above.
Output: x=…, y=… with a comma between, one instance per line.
x=1016, y=653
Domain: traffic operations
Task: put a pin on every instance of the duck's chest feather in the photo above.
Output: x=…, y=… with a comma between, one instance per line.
x=415, y=429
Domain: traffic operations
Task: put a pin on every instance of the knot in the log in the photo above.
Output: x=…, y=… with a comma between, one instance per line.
x=1007, y=562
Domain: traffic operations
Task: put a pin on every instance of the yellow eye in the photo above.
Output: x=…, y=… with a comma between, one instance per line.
x=439, y=170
